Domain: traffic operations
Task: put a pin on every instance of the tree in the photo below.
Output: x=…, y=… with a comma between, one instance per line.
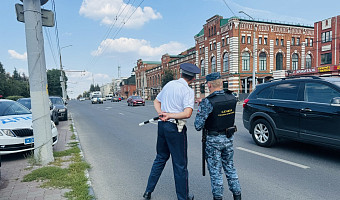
x=53, y=80
x=16, y=75
x=168, y=76
x=2, y=80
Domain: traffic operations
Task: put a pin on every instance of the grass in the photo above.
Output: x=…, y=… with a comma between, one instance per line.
x=72, y=177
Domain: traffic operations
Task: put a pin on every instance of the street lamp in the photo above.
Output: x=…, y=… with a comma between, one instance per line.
x=63, y=89
x=254, y=51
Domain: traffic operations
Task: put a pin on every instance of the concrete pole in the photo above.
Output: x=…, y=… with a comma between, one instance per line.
x=254, y=60
x=62, y=81
x=43, y=152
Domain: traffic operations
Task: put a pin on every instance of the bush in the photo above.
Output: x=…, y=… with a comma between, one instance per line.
x=14, y=98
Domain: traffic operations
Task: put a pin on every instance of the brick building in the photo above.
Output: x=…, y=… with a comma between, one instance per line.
x=227, y=46
x=326, y=60
x=128, y=87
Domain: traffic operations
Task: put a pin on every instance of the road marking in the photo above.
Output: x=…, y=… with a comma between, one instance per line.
x=108, y=107
x=273, y=158
x=121, y=113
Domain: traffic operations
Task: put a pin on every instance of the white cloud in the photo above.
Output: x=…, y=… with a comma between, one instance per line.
x=141, y=47
x=17, y=55
x=117, y=12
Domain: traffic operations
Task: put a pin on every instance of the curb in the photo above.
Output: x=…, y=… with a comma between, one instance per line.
x=89, y=183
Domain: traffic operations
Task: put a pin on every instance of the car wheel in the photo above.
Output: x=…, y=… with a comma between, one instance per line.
x=56, y=121
x=263, y=133
x=65, y=118
x=143, y=104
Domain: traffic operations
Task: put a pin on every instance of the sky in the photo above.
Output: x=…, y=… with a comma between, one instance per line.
x=97, y=36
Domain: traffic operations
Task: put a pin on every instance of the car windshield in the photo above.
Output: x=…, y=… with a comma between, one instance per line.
x=57, y=101
x=96, y=96
x=25, y=102
x=136, y=97
x=12, y=108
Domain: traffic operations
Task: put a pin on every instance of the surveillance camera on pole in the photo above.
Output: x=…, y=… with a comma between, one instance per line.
x=31, y=14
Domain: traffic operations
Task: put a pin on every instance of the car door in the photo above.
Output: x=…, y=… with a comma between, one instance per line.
x=320, y=121
x=284, y=102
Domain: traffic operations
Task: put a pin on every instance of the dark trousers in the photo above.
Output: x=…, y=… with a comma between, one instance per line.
x=171, y=142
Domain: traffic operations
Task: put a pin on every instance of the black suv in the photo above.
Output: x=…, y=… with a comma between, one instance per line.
x=300, y=108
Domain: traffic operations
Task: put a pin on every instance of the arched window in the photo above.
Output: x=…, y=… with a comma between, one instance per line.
x=308, y=61
x=295, y=61
x=279, y=61
x=213, y=64
x=202, y=68
x=225, y=62
x=263, y=61
x=245, y=61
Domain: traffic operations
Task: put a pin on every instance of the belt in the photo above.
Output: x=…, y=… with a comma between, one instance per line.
x=216, y=133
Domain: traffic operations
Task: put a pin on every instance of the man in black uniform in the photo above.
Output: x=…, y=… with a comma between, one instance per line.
x=216, y=114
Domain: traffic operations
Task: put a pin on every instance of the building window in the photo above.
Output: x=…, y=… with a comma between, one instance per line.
x=293, y=41
x=265, y=42
x=298, y=41
x=225, y=62
x=209, y=32
x=308, y=61
x=260, y=40
x=295, y=61
x=306, y=42
x=282, y=42
x=202, y=68
x=213, y=64
x=245, y=61
x=311, y=42
x=248, y=39
x=223, y=42
x=263, y=61
x=214, y=45
x=210, y=47
x=228, y=40
x=326, y=58
x=279, y=61
x=277, y=42
x=243, y=40
x=326, y=36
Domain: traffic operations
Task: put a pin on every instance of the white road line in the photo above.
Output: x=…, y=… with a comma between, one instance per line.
x=273, y=158
x=108, y=107
x=121, y=113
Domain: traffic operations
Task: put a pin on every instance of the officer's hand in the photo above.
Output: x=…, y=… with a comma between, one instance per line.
x=164, y=116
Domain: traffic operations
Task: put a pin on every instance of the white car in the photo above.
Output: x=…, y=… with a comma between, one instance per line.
x=97, y=99
x=16, y=132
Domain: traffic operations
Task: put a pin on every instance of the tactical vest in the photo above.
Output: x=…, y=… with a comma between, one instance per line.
x=223, y=114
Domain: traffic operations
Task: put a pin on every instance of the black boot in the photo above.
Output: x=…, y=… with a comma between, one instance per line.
x=237, y=196
x=218, y=198
x=191, y=197
x=147, y=195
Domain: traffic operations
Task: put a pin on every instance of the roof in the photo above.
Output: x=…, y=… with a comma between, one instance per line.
x=223, y=22
x=200, y=33
x=152, y=62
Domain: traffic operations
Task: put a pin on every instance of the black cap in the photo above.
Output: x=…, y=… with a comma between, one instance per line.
x=189, y=69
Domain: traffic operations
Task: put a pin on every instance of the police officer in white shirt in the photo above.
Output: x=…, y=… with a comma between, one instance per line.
x=173, y=104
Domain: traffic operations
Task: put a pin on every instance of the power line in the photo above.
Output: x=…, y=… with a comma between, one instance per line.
x=228, y=7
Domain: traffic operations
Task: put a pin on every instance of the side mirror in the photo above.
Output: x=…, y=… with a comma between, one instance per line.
x=335, y=101
x=51, y=107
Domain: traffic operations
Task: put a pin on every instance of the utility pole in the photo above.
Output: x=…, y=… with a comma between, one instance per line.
x=41, y=120
x=62, y=81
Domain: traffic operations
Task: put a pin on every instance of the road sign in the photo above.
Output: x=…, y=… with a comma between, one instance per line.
x=47, y=16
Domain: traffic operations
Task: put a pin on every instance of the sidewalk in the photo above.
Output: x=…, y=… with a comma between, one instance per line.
x=15, y=166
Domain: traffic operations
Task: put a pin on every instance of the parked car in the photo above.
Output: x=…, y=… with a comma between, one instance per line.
x=61, y=106
x=305, y=109
x=16, y=132
x=97, y=99
x=135, y=100
x=116, y=99
x=53, y=110
x=81, y=99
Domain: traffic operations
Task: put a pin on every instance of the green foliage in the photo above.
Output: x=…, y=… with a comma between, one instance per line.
x=168, y=76
x=53, y=80
x=16, y=85
x=14, y=98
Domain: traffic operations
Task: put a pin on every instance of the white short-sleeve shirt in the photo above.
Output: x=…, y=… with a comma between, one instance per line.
x=176, y=96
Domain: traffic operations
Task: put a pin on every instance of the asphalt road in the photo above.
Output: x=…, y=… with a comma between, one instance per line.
x=121, y=155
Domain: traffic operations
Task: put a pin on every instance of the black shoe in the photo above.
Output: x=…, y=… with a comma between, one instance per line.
x=191, y=197
x=147, y=195
x=218, y=198
x=237, y=196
